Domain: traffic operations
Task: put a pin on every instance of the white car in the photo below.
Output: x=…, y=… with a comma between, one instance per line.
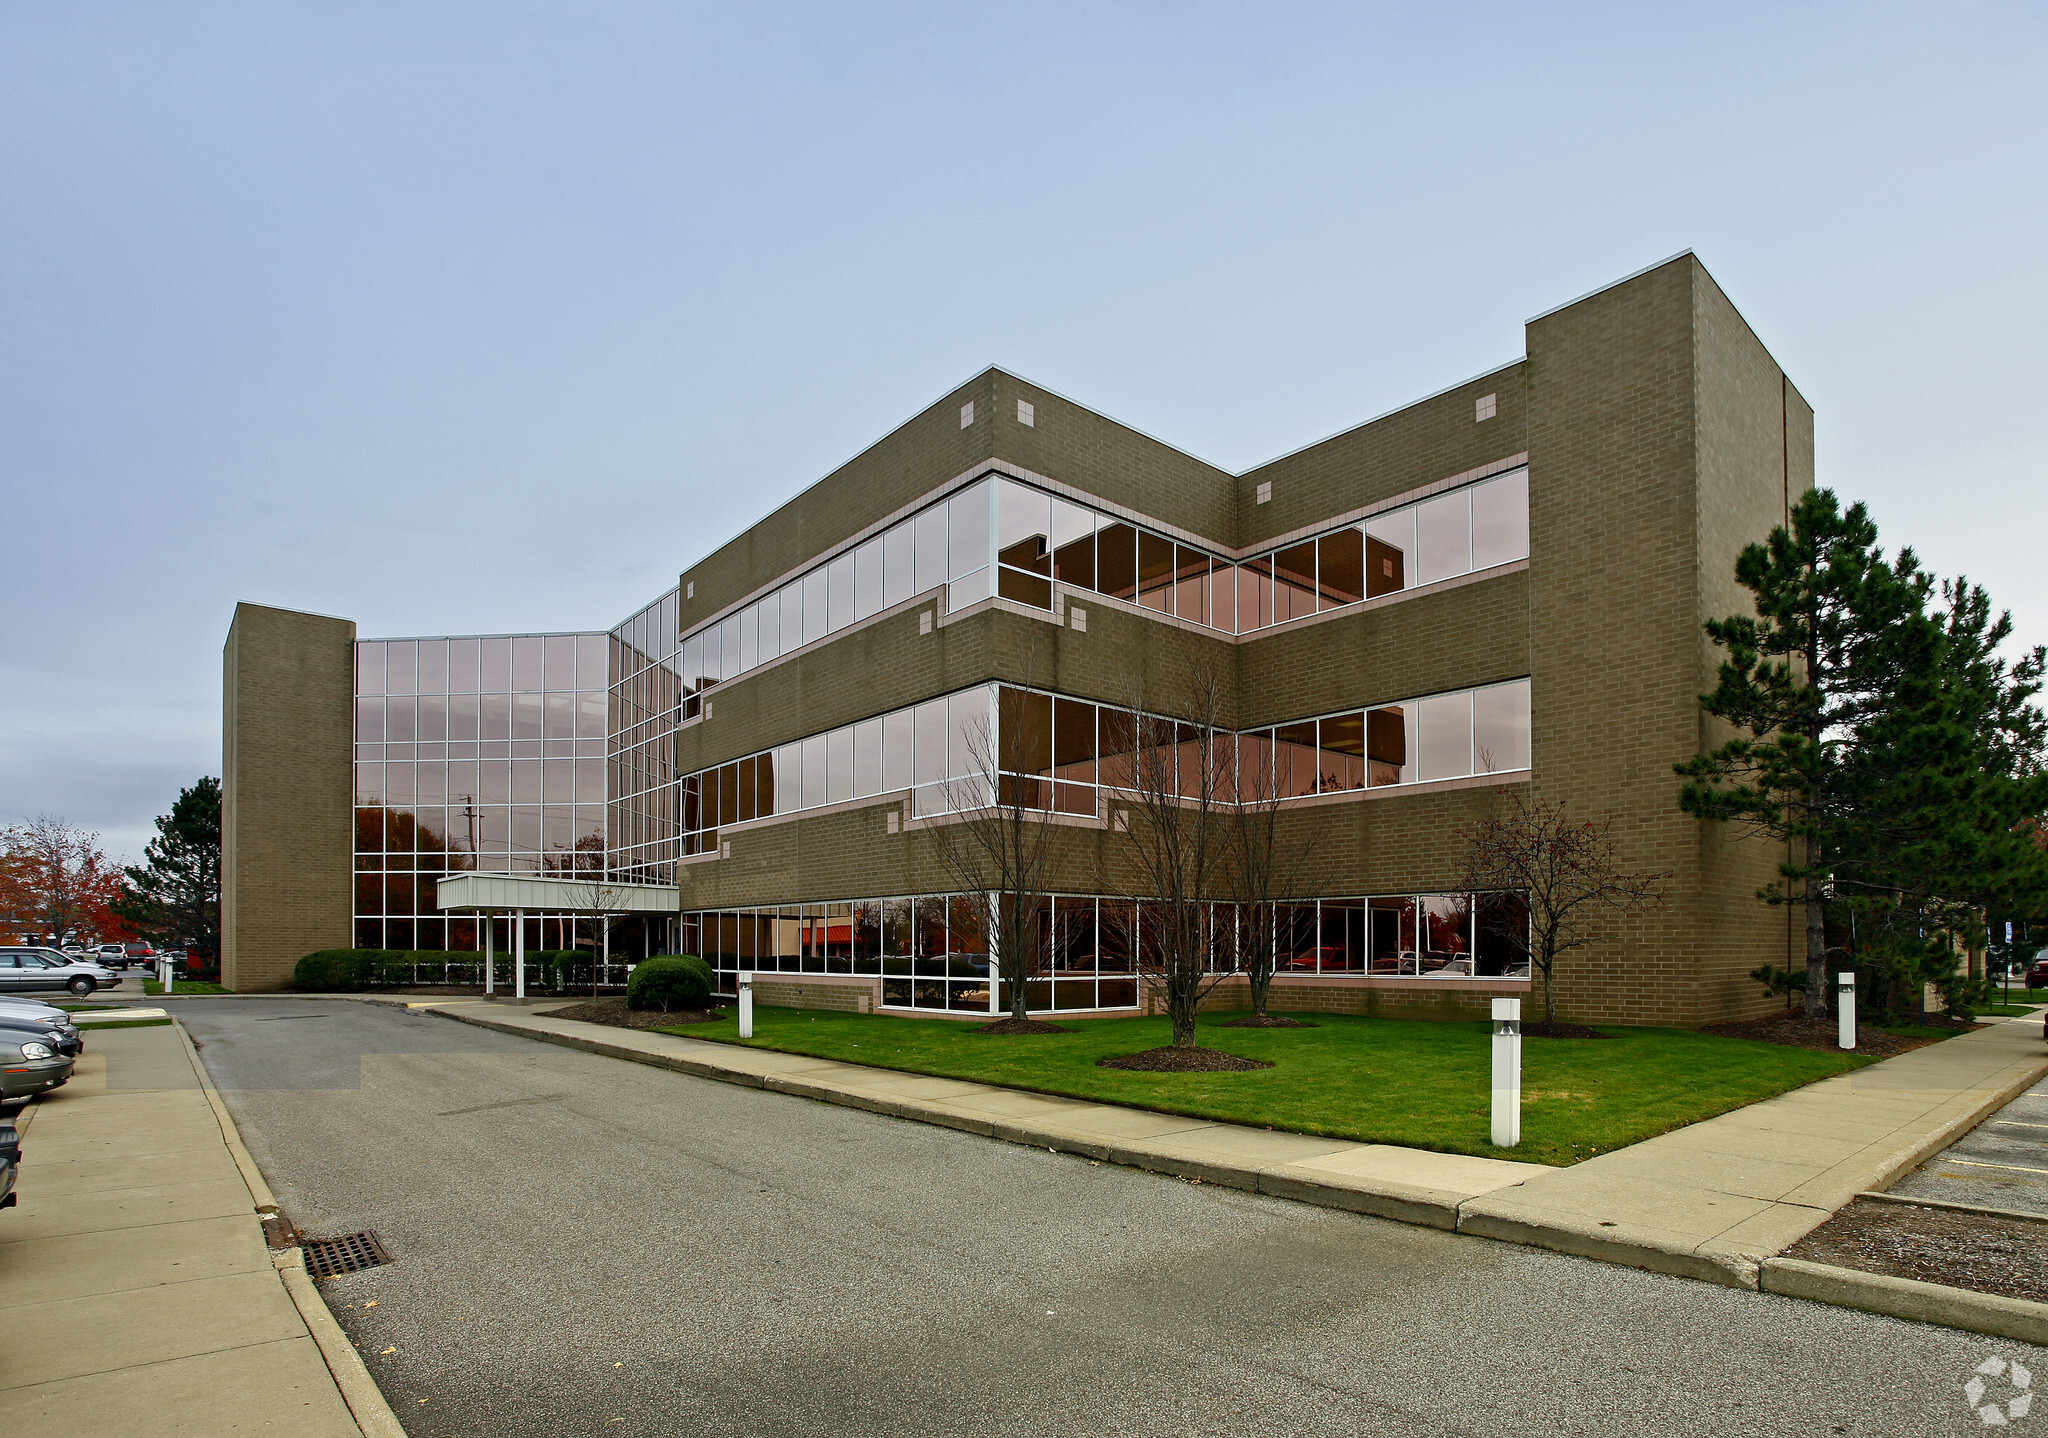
x=112, y=956
x=27, y=970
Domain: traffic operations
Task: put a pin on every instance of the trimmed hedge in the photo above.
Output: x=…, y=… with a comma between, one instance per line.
x=347, y=971
x=670, y=982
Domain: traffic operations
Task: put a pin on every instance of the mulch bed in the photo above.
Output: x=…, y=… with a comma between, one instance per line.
x=615, y=1013
x=1542, y=1029
x=1264, y=1021
x=1171, y=1060
x=1802, y=1033
x=1976, y=1251
x=1019, y=1026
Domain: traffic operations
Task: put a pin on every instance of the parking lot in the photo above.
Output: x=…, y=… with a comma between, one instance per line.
x=2001, y=1164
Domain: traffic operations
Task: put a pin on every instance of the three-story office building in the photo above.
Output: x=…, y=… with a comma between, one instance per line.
x=1495, y=590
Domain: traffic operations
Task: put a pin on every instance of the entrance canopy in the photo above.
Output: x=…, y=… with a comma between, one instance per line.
x=509, y=893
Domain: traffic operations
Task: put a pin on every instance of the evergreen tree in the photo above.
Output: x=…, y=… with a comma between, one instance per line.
x=1834, y=631
x=176, y=895
x=1952, y=767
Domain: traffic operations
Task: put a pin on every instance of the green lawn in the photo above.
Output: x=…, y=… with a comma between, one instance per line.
x=182, y=986
x=1419, y=1084
x=84, y=1022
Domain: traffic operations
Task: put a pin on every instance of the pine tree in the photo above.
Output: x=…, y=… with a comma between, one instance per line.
x=176, y=895
x=1835, y=628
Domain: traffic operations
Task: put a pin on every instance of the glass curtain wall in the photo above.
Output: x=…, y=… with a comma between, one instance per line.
x=474, y=754
x=928, y=749
x=929, y=953
x=1060, y=753
x=646, y=703
x=1000, y=536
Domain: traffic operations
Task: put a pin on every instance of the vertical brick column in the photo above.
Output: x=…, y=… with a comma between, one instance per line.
x=287, y=737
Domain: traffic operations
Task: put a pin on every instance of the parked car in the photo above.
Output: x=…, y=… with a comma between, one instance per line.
x=26, y=970
x=114, y=956
x=29, y=1066
x=66, y=1040
x=10, y=1161
x=2037, y=973
x=140, y=953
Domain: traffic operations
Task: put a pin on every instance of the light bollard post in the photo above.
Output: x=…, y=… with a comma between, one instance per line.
x=1845, y=1009
x=746, y=988
x=519, y=954
x=1507, y=1072
x=163, y=975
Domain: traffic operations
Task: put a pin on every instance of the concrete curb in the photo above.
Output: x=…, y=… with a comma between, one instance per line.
x=1904, y=1200
x=358, y=1389
x=259, y=1190
x=2014, y=1318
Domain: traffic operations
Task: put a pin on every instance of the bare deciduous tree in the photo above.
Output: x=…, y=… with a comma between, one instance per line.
x=1261, y=867
x=1172, y=784
x=997, y=845
x=1566, y=869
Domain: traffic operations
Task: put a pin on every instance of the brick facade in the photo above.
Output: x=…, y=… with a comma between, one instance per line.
x=287, y=728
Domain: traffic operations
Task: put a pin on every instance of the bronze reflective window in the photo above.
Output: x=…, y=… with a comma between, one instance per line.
x=1390, y=748
x=1254, y=594
x=1116, y=561
x=1155, y=572
x=1340, y=568
x=1389, y=543
x=1341, y=765
x=1294, y=583
x=1191, y=584
x=1294, y=759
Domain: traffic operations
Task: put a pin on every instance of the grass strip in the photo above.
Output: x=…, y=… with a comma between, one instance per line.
x=1415, y=1083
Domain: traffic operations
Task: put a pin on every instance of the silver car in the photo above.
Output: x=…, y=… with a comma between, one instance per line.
x=29, y=1066
x=26, y=970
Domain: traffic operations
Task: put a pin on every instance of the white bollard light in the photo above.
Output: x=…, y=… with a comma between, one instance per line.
x=746, y=987
x=1845, y=1009
x=519, y=955
x=165, y=976
x=1507, y=1072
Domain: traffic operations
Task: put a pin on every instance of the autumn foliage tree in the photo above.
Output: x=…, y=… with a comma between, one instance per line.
x=55, y=881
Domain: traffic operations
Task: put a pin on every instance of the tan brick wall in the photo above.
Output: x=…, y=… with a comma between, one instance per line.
x=287, y=837
x=855, y=994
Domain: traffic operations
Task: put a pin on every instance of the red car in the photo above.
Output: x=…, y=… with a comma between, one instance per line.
x=2037, y=974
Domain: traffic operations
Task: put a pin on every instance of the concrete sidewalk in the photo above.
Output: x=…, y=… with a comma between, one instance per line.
x=137, y=1295
x=1713, y=1200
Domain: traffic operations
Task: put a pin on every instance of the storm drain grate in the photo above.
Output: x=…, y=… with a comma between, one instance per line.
x=350, y=1253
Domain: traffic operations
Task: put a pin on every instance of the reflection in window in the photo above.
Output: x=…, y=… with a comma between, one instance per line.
x=929, y=953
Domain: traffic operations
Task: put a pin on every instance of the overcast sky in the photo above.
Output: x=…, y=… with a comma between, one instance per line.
x=455, y=318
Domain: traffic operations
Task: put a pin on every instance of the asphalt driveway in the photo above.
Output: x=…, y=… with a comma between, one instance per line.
x=584, y=1245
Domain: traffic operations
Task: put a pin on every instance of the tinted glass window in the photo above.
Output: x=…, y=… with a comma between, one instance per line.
x=1443, y=537
x=1500, y=520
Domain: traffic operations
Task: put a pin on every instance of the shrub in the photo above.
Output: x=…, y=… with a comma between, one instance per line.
x=670, y=982
x=336, y=971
